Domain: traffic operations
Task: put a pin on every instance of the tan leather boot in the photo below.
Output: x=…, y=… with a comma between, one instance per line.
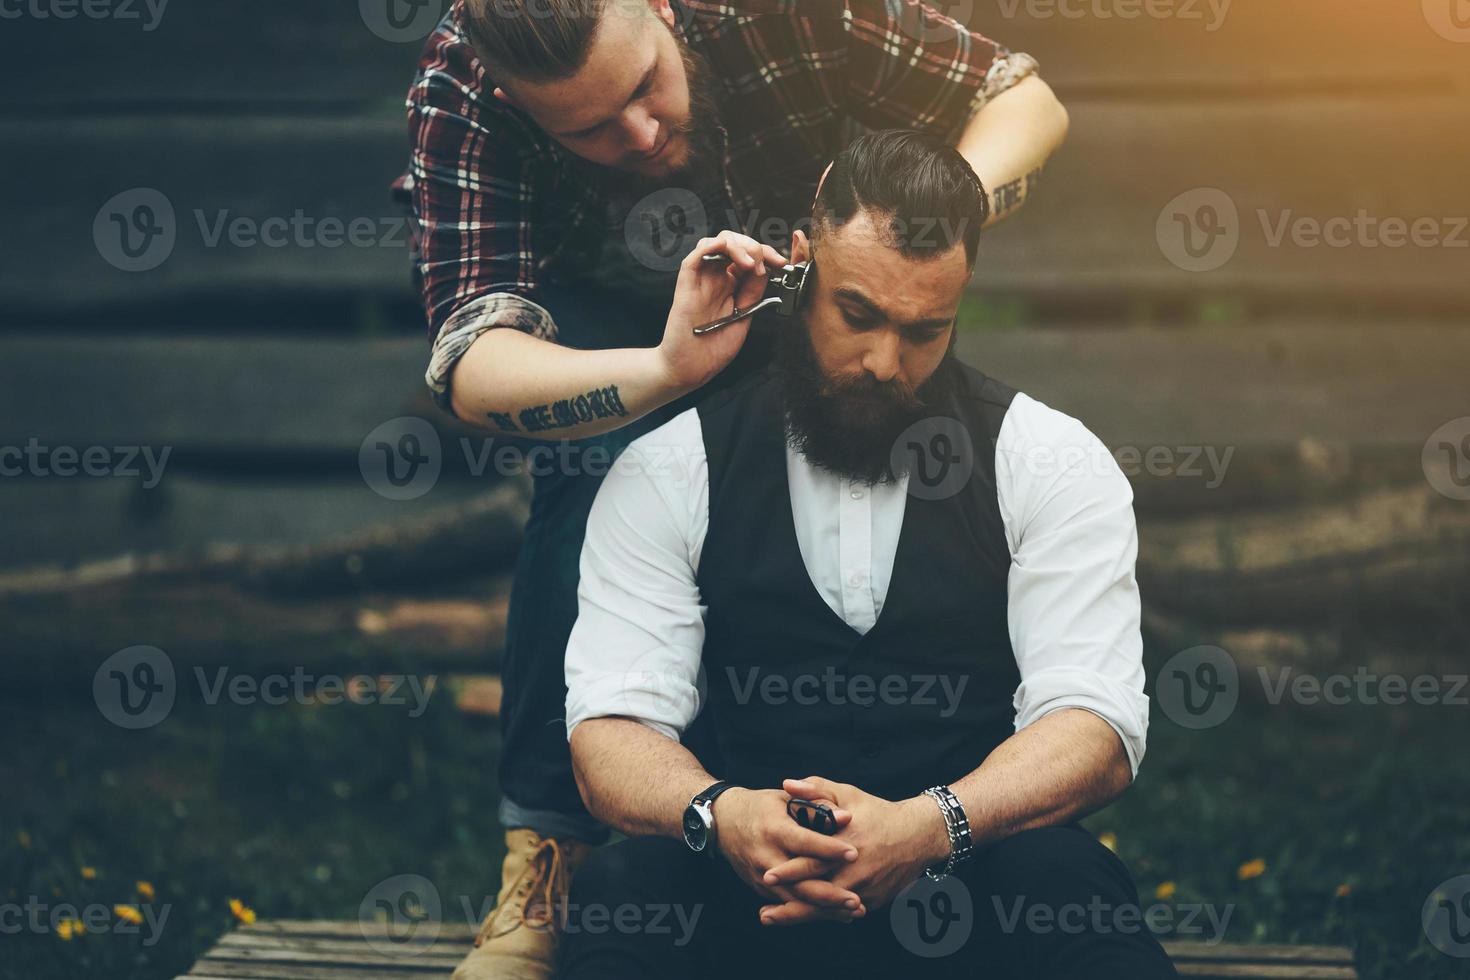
x=517, y=940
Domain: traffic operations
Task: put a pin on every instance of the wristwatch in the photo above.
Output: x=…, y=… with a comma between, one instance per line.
x=699, y=818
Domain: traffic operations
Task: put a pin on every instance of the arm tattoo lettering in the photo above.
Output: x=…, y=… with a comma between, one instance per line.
x=1009, y=196
x=601, y=403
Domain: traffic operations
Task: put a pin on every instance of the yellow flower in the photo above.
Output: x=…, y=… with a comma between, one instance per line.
x=1109, y=840
x=128, y=913
x=241, y=911
x=67, y=928
x=89, y=873
x=1344, y=890
x=145, y=889
x=23, y=839
x=1251, y=869
x=1165, y=891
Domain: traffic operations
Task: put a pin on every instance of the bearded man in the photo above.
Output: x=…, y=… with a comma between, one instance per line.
x=892, y=586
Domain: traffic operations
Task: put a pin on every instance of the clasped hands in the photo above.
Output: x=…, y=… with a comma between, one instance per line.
x=880, y=848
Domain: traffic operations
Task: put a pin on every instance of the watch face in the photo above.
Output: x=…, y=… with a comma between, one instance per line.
x=696, y=828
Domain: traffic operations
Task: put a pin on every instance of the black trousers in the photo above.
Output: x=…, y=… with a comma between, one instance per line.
x=1048, y=904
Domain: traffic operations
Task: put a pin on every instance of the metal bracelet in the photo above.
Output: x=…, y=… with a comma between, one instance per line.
x=957, y=825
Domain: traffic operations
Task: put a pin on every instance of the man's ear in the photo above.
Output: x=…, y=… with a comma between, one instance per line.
x=663, y=10
x=801, y=247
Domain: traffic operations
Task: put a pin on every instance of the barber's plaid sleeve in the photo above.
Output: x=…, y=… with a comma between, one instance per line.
x=911, y=66
x=470, y=185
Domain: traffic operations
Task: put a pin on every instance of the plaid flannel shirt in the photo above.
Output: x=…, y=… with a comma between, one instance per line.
x=500, y=210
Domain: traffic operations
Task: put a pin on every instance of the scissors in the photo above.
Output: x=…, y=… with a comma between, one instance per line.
x=789, y=287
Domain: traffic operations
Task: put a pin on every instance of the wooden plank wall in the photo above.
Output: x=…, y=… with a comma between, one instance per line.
x=1318, y=109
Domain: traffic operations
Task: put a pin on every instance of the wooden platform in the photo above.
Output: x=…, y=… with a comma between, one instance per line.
x=325, y=950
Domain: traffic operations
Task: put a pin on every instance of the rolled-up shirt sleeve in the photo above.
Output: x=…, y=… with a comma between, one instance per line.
x=471, y=184
x=636, y=647
x=1073, y=597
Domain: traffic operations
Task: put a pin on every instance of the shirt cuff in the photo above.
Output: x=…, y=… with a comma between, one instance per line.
x=1005, y=72
x=465, y=325
x=1116, y=703
x=649, y=695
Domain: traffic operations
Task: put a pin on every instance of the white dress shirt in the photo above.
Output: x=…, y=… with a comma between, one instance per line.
x=1072, y=600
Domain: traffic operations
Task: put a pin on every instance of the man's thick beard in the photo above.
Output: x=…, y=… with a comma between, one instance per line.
x=849, y=426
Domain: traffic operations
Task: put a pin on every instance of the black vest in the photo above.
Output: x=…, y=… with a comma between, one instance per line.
x=793, y=690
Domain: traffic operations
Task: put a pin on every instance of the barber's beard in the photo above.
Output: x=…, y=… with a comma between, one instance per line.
x=849, y=425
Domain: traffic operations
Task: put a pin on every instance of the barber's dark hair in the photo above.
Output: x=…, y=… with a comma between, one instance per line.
x=533, y=40
x=928, y=193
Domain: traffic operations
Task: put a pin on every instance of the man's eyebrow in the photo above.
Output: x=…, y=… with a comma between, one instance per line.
x=598, y=125
x=853, y=296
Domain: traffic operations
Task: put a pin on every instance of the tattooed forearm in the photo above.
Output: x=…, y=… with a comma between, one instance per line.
x=1010, y=196
x=601, y=403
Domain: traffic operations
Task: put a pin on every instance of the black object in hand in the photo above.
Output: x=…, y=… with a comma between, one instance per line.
x=813, y=816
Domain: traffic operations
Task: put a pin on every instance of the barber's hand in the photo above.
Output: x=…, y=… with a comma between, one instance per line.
x=895, y=842
x=755, y=833
x=707, y=291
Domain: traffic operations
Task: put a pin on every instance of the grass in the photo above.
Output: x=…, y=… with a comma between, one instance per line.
x=1356, y=814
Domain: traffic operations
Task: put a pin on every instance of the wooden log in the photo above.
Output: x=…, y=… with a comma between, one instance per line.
x=1393, y=552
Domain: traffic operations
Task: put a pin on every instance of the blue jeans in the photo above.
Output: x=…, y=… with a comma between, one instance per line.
x=537, y=787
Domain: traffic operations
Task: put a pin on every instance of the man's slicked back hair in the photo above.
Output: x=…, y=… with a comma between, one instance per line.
x=920, y=186
x=534, y=40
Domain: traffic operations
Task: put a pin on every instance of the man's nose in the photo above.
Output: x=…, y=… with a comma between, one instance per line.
x=881, y=359
x=642, y=131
